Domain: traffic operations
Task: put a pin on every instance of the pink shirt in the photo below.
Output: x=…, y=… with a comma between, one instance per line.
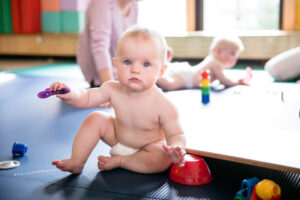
x=104, y=24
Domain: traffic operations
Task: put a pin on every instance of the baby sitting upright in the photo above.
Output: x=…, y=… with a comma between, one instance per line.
x=145, y=133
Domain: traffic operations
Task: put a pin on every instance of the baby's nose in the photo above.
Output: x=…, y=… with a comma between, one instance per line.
x=135, y=68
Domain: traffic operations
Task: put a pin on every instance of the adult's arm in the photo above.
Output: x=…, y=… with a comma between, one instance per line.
x=100, y=33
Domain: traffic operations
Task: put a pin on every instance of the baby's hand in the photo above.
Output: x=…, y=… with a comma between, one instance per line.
x=247, y=78
x=175, y=154
x=241, y=81
x=106, y=105
x=58, y=86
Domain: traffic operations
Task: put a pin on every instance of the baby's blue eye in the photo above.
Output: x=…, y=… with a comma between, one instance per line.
x=127, y=62
x=146, y=64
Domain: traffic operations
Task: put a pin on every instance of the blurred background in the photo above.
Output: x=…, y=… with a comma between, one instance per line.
x=37, y=32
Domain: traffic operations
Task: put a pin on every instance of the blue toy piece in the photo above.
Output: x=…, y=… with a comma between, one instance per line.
x=19, y=149
x=246, y=189
x=205, y=98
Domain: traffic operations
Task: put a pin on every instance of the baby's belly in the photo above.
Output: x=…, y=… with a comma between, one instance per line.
x=138, y=139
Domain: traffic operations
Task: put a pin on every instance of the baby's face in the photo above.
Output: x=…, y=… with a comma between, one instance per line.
x=228, y=56
x=139, y=62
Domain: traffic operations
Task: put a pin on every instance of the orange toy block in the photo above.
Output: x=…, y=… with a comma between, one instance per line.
x=205, y=83
x=50, y=5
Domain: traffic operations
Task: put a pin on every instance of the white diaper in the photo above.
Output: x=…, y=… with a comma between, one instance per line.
x=182, y=69
x=122, y=150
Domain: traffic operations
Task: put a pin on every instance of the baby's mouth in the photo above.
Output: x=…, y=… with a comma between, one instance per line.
x=134, y=79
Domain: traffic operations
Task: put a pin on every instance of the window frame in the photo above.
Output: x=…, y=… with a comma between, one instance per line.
x=289, y=16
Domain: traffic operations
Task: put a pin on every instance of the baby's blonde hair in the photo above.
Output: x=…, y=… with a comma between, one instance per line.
x=135, y=31
x=225, y=41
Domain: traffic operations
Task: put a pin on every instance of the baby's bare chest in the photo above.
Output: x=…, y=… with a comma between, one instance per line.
x=137, y=117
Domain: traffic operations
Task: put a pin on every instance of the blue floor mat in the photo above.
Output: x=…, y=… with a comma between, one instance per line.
x=48, y=127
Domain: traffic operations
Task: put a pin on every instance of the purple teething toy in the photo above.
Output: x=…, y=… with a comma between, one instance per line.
x=47, y=93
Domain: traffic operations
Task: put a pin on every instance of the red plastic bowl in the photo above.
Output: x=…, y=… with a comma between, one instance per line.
x=194, y=172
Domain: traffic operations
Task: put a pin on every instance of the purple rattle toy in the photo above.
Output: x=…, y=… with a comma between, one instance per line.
x=47, y=92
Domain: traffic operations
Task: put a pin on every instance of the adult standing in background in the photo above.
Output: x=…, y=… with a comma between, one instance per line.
x=105, y=21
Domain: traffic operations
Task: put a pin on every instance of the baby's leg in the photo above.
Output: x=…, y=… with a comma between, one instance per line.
x=171, y=83
x=96, y=126
x=151, y=159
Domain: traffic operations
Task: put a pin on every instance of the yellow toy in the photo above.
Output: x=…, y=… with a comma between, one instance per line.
x=268, y=190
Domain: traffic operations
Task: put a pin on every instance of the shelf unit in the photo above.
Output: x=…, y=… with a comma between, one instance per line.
x=39, y=44
x=194, y=45
x=259, y=45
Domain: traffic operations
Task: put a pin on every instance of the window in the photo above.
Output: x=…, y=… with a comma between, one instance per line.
x=167, y=16
x=170, y=16
x=241, y=15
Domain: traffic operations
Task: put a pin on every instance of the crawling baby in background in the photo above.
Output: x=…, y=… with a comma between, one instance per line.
x=145, y=133
x=223, y=54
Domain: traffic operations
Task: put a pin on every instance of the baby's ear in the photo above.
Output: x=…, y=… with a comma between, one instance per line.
x=114, y=59
x=163, y=69
x=217, y=52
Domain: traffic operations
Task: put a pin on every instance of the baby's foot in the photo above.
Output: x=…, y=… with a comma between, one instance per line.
x=108, y=163
x=68, y=165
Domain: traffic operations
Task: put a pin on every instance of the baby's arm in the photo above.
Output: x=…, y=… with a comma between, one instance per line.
x=83, y=98
x=175, y=137
x=218, y=74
